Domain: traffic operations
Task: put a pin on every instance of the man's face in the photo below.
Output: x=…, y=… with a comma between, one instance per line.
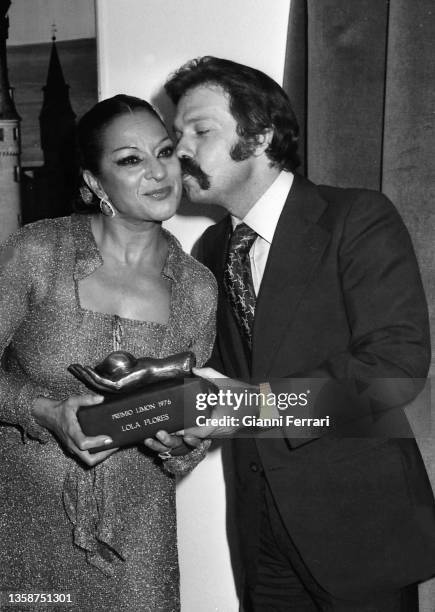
x=205, y=131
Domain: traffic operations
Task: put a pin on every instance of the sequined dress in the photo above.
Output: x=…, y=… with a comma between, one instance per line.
x=107, y=534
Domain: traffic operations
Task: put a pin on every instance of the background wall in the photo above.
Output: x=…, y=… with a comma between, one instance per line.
x=139, y=43
x=31, y=20
x=28, y=69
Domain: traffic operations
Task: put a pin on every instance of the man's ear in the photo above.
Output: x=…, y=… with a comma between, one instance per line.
x=94, y=184
x=263, y=142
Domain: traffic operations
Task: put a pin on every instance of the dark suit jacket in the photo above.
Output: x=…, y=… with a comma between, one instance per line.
x=341, y=297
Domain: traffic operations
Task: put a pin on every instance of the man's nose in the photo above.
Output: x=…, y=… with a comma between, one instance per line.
x=184, y=148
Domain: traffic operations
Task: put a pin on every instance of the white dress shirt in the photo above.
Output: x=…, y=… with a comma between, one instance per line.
x=263, y=219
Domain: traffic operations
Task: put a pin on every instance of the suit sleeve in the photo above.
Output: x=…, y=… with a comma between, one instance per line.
x=387, y=359
x=17, y=392
x=384, y=298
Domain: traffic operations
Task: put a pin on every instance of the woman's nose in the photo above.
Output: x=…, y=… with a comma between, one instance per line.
x=155, y=169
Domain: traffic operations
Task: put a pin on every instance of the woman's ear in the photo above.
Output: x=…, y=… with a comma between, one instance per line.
x=94, y=184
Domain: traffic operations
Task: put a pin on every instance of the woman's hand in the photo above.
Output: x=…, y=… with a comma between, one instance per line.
x=61, y=419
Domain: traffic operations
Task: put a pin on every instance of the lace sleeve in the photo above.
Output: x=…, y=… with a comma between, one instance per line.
x=185, y=463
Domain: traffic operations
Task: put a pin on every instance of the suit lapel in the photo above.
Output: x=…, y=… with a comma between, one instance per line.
x=296, y=249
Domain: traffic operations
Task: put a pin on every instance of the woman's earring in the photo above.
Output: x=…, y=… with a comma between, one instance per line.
x=107, y=208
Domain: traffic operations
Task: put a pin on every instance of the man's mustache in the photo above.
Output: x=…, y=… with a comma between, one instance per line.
x=190, y=167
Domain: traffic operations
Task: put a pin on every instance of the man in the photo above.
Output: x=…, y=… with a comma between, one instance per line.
x=330, y=289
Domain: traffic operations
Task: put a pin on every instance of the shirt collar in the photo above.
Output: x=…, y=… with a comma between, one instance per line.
x=264, y=215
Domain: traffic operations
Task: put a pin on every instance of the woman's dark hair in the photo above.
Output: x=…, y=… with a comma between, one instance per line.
x=90, y=130
x=256, y=102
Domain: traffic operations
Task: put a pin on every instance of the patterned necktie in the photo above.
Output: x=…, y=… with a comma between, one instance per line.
x=238, y=279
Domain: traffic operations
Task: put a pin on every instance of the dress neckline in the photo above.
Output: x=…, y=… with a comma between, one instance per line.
x=88, y=258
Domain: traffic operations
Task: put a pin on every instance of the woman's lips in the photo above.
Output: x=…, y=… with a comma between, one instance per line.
x=159, y=194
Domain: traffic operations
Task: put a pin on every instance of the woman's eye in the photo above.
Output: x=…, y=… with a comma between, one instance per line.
x=167, y=151
x=130, y=160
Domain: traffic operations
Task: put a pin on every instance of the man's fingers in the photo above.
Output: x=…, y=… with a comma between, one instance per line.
x=196, y=433
x=192, y=441
x=208, y=373
x=191, y=434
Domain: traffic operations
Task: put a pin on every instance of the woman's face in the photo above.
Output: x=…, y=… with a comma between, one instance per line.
x=139, y=172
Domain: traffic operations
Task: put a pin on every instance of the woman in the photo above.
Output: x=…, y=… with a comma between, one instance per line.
x=101, y=527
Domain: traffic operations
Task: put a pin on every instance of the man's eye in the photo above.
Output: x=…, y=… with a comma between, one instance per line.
x=130, y=160
x=167, y=151
x=202, y=132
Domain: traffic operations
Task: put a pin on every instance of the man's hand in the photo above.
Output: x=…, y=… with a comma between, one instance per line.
x=220, y=419
x=165, y=442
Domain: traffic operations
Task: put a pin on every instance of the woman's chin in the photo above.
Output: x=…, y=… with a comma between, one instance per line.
x=153, y=216
x=165, y=213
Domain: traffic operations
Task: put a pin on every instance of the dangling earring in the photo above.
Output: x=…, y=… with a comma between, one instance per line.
x=107, y=208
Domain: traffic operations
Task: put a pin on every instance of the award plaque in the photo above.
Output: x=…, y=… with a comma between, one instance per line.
x=141, y=397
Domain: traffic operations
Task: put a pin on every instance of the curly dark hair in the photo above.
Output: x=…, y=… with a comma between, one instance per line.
x=257, y=103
